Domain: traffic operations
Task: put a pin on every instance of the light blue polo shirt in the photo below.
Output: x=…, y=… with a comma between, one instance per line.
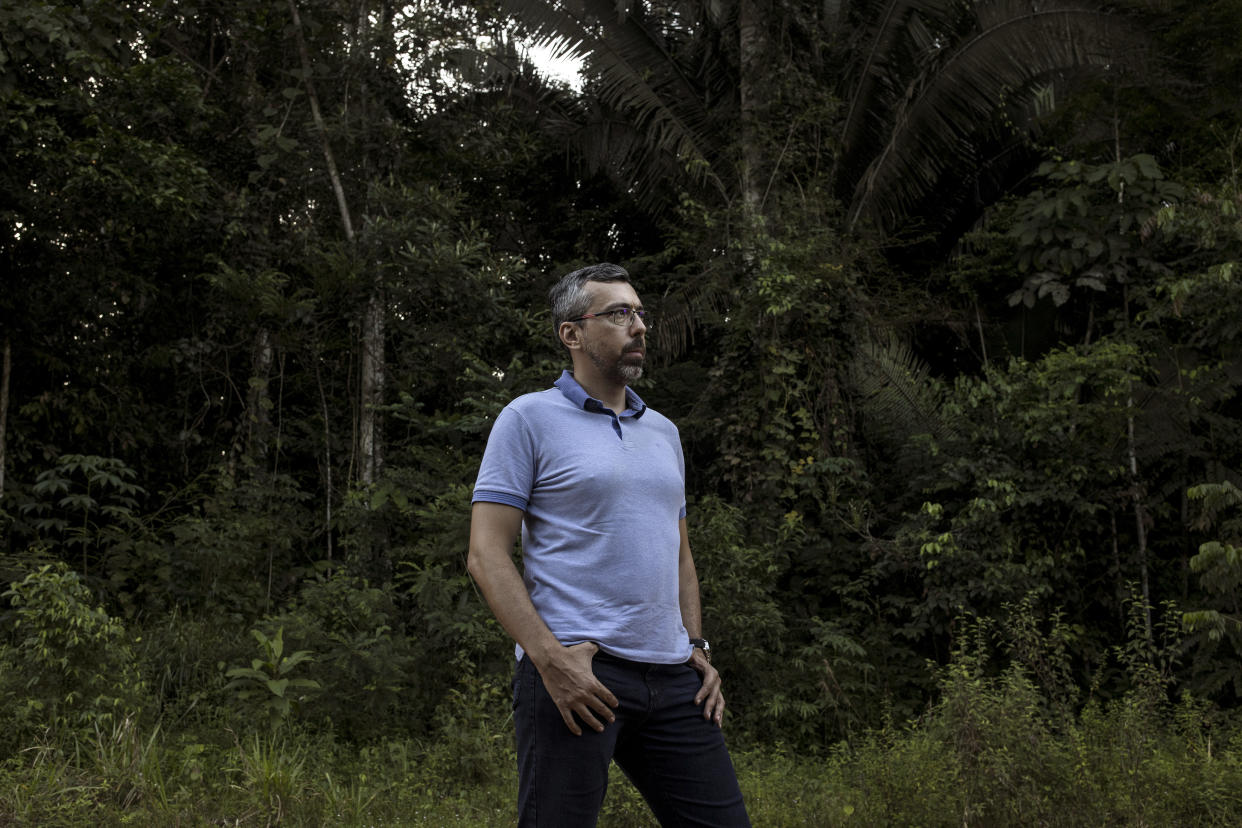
x=602, y=495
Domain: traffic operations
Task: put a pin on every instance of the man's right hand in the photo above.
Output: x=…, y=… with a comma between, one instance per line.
x=572, y=684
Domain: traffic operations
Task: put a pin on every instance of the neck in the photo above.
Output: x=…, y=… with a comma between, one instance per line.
x=610, y=393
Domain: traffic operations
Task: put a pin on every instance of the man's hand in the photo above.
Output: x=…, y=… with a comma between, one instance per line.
x=709, y=695
x=572, y=684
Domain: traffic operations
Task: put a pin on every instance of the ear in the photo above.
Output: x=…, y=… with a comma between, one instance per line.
x=571, y=335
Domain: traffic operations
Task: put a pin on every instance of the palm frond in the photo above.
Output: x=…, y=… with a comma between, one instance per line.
x=897, y=35
x=1013, y=48
x=637, y=78
x=897, y=398
x=683, y=308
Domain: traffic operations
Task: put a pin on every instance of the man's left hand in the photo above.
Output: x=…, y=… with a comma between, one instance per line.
x=709, y=695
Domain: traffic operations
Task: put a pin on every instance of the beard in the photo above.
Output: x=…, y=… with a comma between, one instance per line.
x=626, y=369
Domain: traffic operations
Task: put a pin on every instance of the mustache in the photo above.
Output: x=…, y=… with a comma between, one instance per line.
x=636, y=344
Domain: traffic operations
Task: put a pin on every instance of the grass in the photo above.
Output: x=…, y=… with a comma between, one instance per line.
x=989, y=763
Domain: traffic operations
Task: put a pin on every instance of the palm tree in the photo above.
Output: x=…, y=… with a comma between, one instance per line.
x=684, y=87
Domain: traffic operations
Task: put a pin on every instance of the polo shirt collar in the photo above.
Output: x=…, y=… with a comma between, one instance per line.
x=577, y=395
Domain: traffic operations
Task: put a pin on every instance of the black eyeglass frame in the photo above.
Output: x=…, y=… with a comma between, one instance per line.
x=621, y=317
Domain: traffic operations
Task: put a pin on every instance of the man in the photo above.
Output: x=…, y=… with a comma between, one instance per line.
x=611, y=663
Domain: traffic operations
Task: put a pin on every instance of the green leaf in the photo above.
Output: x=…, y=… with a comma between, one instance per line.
x=294, y=659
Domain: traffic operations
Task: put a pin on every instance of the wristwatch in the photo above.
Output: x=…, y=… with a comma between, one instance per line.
x=702, y=644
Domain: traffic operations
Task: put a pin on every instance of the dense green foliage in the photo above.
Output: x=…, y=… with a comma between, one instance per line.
x=949, y=321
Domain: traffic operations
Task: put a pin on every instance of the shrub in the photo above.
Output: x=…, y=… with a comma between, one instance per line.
x=268, y=685
x=366, y=666
x=65, y=663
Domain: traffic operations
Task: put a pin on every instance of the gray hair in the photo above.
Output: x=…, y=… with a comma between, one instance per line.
x=568, y=296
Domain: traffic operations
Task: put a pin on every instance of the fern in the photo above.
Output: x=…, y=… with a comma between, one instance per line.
x=899, y=400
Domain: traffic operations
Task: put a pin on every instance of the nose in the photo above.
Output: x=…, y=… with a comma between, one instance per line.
x=637, y=321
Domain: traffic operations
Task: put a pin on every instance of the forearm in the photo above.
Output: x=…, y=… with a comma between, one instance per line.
x=506, y=594
x=691, y=615
x=709, y=695
x=688, y=588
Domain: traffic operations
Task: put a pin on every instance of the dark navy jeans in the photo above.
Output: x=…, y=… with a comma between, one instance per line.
x=675, y=757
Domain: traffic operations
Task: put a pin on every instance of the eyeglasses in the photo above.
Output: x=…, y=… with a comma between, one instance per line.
x=621, y=317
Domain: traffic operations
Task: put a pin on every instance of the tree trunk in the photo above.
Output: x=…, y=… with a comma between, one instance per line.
x=259, y=398
x=250, y=439
x=370, y=444
x=1140, y=521
x=750, y=47
x=334, y=175
x=6, y=369
x=1136, y=490
x=327, y=461
x=371, y=391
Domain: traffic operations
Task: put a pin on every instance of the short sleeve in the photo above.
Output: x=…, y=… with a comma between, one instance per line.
x=507, y=472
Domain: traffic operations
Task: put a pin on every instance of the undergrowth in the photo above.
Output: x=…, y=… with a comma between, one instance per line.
x=984, y=755
x=1009, y=739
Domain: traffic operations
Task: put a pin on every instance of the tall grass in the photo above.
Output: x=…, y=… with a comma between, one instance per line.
x=983, y=756
x=1009, y=739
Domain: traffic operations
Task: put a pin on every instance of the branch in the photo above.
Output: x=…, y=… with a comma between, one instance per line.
x=319, y=124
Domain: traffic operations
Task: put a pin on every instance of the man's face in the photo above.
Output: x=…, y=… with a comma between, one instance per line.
x=617, y=352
